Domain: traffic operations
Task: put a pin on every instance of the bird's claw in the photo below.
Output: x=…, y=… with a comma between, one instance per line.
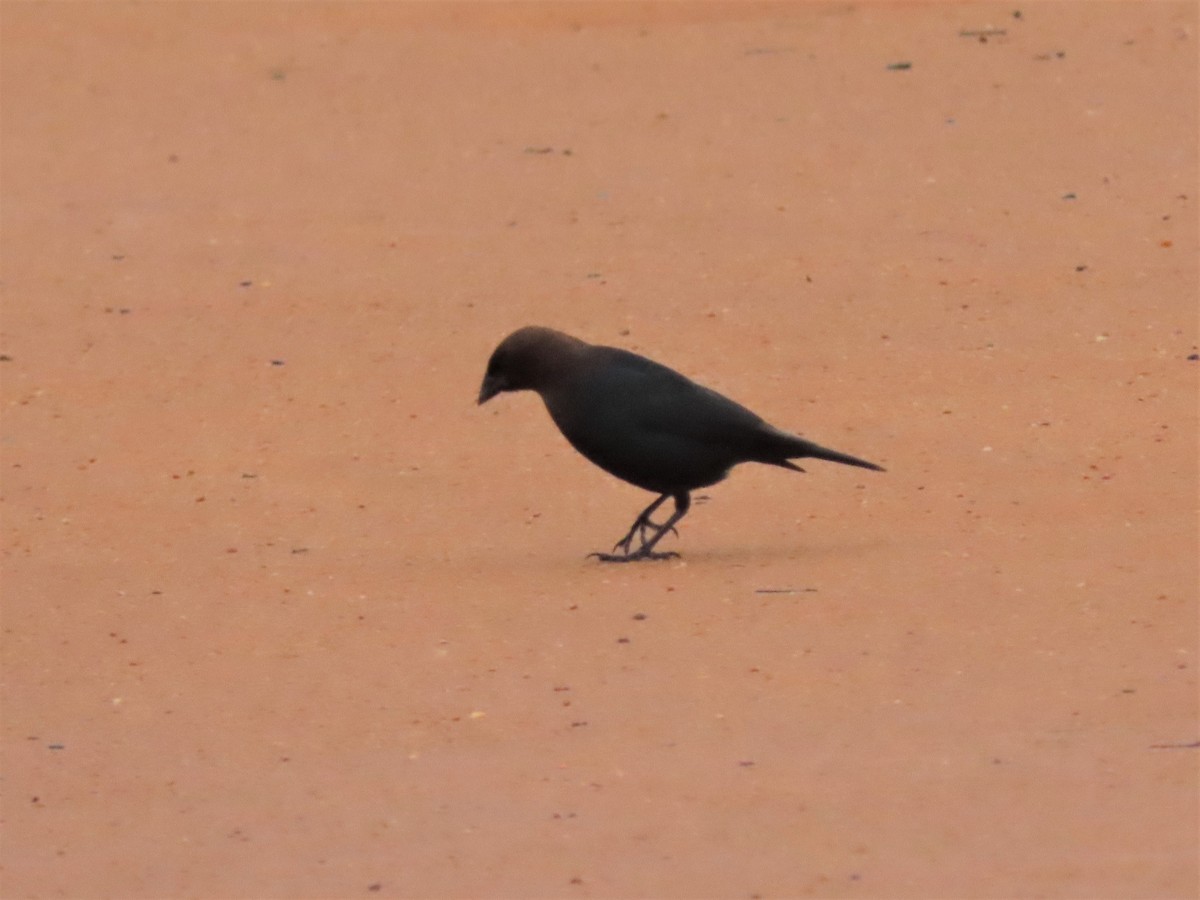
x=636, y=556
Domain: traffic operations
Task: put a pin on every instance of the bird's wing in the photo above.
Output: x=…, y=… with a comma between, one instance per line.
x=630, y=414
x=659, y=399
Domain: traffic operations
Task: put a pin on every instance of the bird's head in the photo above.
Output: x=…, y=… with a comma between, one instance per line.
x=530, y=359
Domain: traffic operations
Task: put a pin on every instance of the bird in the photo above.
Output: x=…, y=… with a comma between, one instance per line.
x=643, y=422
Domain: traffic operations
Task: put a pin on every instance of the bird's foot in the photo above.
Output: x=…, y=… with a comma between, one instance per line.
x=636, y=556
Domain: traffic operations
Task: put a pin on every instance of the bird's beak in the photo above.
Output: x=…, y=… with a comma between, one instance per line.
x=490, y=388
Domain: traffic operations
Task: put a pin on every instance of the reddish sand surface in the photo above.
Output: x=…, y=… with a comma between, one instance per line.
x=286, y=614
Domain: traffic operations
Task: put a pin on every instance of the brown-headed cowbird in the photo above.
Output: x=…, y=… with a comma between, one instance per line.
x=642, y=422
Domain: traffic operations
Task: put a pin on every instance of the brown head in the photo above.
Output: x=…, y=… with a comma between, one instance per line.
x=531, y=359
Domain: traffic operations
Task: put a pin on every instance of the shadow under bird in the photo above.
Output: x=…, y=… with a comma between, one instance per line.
x=642, y=422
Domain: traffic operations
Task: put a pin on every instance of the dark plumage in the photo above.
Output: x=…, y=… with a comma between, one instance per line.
x=642, y=422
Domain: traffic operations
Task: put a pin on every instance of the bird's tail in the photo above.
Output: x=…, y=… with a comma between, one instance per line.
x=802, y=449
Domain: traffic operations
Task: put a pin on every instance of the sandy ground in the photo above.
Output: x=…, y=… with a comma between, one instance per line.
x=285, y=614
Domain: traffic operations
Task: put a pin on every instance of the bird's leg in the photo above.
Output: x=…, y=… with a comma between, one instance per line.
x=640, y=525
x=647, y=525
x=683, y=503
x=643, y=524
